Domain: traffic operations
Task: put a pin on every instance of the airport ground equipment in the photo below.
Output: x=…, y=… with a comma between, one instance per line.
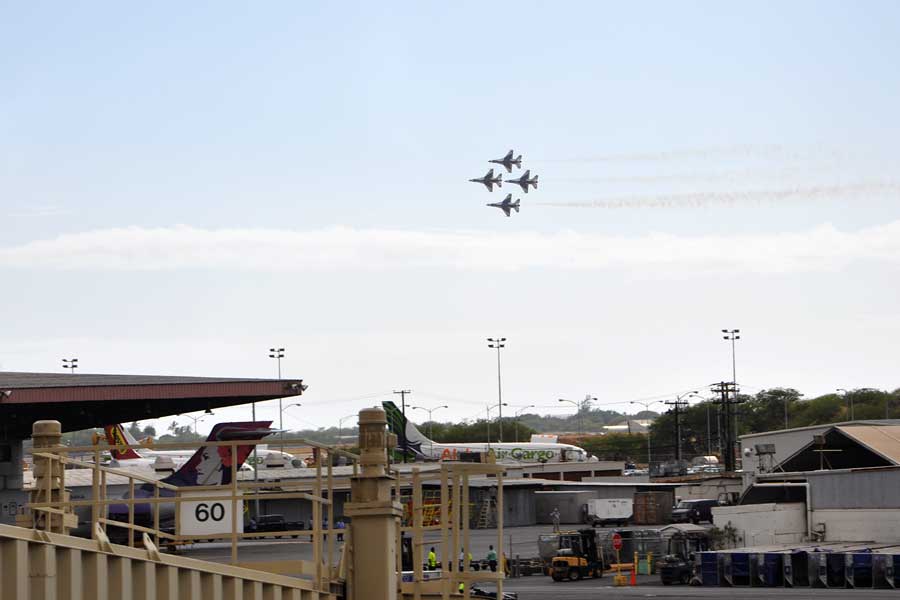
x=609, y=511
x=677, y=565
x=577, y=556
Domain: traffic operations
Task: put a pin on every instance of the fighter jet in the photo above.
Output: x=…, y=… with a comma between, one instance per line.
x=524, y=180
x=507, y=204
x=508, y=161
x=489, y=180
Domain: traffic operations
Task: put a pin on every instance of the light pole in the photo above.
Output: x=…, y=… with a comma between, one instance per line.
x=281, y=419
x=430, y=420
x=71, y=364
x=647, y=406
x=341, y=425
x=198, y=419
x=498, y=343
x=489, y=407
x=577, y=408
x=732, y=335
x=278, y=354
x=846, y=396
x=519, y=412
x=430, y=423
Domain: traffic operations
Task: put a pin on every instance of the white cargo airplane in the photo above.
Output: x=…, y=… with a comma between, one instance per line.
x=520, y=452
x=161, y=460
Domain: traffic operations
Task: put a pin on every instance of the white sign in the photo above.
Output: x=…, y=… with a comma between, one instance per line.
x=208, y=517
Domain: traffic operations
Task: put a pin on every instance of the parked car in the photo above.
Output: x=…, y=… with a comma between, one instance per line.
x=267, y=523
x=694, y=511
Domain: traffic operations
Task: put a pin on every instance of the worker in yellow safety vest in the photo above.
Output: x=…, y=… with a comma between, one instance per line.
x=432, y=560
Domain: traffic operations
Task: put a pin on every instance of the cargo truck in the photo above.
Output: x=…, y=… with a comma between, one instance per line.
x=609, y=511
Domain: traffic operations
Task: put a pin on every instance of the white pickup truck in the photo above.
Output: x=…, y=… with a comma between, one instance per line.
x=613, y=511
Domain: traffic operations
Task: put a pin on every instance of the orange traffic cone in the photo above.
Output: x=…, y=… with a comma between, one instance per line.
x=634, y=574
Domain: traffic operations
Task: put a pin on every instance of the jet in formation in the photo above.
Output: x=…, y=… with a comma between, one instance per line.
x=508, y=161
x=489, y=180
x=525, y=181
x=506, y=205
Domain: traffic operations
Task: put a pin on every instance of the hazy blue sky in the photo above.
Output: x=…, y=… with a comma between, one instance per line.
x=184, y=185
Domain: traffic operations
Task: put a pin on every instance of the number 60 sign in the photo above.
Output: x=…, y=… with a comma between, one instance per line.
x=207, y=517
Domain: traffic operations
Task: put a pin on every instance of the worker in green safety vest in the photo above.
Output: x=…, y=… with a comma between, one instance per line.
x=432, y=559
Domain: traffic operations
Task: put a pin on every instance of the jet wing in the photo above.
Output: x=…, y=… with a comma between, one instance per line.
x=505, y=209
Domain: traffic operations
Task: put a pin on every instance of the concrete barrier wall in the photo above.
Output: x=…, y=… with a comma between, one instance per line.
x=848, y=525
x=36, y=565
x=764, y=524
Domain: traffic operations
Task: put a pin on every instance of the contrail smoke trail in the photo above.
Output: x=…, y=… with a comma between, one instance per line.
x=774, y=151
x=705, y=199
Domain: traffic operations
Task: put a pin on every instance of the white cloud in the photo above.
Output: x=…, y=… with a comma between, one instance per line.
x=340, y=248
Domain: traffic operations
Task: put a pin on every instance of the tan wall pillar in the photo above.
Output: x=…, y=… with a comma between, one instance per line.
x=49, y=481
x=374, y=515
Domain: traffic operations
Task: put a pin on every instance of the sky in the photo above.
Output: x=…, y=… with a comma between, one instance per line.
x=184, y=186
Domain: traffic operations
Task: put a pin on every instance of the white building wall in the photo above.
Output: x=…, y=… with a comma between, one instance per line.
x=763, y=524
x=859, y=525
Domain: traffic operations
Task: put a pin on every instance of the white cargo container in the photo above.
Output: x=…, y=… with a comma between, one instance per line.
x=614, y=511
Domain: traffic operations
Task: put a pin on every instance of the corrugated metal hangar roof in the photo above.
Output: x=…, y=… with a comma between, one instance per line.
x=88, y=400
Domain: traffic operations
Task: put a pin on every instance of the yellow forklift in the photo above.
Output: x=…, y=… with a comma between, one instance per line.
x=577, y=556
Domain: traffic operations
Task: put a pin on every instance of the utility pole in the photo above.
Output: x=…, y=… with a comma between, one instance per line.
x=676, y=413
x=678, y=403
x=498, y=343
x=728, y=398
x=403, y=394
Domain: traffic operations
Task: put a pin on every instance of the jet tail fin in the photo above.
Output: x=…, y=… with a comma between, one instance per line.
x=398, y=424
x=515, y=205
x=213, y=465
x=118, y=439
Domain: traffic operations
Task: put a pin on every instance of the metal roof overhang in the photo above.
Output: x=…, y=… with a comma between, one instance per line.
x=84, y=401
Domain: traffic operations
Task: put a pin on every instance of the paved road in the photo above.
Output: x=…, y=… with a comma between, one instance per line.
x=542, y=588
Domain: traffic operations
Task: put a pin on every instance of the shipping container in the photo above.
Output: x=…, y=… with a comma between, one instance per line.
x=653, y=508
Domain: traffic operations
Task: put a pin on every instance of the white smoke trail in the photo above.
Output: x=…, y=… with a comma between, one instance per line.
x=772, y=151
x=706, y=199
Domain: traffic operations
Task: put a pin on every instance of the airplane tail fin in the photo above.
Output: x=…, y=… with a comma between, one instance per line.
x=213, y=465
x=397, y=424
x=518, y=160
x=515, y=205
x=118, y=438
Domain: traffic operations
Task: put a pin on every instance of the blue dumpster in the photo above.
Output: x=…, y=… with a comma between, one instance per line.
x=835, y=567
x=709, y=568
x=795, y=569
x=740, y=569
x=858, y=569
x=770, y=569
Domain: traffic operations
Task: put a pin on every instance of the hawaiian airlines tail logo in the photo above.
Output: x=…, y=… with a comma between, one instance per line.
x=118, y=442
